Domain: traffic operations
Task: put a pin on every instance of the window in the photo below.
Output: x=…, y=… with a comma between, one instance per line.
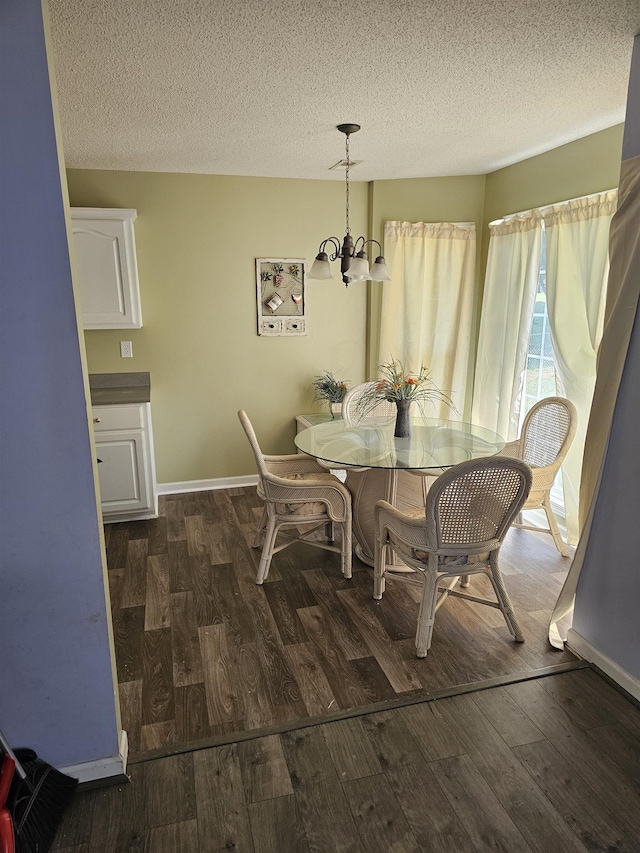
x=540, y=376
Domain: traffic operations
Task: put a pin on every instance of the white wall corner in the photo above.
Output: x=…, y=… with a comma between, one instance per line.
x=101, y=768
x=582, y=647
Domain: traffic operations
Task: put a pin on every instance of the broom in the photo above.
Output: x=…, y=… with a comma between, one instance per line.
x=38, y=798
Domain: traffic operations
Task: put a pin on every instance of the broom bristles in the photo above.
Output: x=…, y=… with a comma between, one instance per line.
x=38, y=805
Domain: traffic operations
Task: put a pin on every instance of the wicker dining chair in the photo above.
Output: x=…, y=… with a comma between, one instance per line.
x=467, y=513
x=297, y=492
x=547, y=432
x=350, y=413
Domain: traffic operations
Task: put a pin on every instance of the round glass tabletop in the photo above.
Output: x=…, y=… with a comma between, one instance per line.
x=371, y=444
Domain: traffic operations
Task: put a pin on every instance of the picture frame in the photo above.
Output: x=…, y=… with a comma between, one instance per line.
x=281, y=291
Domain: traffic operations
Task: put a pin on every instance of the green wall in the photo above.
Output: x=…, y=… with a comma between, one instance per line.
x=197, y=237
x=588, y=165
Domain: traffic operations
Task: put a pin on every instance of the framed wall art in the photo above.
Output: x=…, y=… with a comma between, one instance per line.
x=281, y=286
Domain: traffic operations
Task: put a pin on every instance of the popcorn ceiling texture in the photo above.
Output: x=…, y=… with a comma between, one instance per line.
x=241, y=87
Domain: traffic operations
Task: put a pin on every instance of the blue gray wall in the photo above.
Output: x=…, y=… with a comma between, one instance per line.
x=56, y=681
x=607, y=608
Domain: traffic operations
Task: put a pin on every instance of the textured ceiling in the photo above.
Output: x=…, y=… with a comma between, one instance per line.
x=241, y=87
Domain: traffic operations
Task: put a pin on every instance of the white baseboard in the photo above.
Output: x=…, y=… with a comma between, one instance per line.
x=101, y=768
x=206, y=485
x=628, y=682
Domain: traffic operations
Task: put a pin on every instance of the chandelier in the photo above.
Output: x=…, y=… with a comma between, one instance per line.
x=354, y=261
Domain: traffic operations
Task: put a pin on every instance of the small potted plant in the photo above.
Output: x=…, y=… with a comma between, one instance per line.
x=330, y=390
x=403, y=388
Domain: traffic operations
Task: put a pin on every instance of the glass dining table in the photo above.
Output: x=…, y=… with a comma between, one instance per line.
x=380, y=466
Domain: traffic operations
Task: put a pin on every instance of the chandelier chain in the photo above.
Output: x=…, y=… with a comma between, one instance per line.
x=347, y=183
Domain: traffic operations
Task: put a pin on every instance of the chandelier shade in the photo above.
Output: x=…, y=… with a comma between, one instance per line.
x=354, y=261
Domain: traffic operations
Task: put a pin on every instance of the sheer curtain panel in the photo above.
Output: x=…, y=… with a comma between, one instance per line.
x=505, y=322
x=577, y=238
x=427, y=307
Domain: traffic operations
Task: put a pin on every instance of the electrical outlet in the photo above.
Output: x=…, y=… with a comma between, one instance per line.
x=126, y=349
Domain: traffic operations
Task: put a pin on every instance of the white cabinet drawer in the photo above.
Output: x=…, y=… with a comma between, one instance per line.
x=119, y=417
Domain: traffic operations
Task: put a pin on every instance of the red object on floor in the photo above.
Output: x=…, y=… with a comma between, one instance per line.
x=7, y=838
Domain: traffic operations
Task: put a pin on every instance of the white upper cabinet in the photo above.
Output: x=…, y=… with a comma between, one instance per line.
x=106, y=267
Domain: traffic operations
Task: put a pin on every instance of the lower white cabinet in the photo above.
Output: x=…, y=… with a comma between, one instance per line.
x=124, y=445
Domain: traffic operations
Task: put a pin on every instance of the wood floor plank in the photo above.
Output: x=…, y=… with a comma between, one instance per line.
x=135, y=574
x=276, y=826
x=130, y=695
x=379, y=819
x=170, y=795
x=157, y=536
x=197, y=539
x=614, y=789
x=174, y=837
x=234, y=611
x=75, y=826
x=250, y=683
x=117, y=546
x=157, y=612
x=483, y=818
x=157, y=735
x=265, y=775
x=179, y=567
x=351, y=750
x=117, y=823
x=191, y=713
x=314, y=687
x=400, y=671
x=531, y=812
x=622, y=747
x=223, y=820
x=174, y=511
x=570, y=694
x=506, y=717
x=433, y=821
x=284, y=613
x=116, y=580
x=601, y=692
x=319, y=794
x=436, y=739
x=340, y=674
x=592, y=823
x=207, y=610
x=157, y=685
x=344, y=631
x=185, y=641
x=224, y=702
x=128, y=632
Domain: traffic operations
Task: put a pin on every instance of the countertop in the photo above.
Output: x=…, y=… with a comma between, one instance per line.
x=111, y=389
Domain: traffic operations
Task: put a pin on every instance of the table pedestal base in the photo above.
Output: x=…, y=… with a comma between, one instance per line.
x=400, y=488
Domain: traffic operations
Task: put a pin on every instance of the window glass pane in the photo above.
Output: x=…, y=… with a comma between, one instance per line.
x=540, y=378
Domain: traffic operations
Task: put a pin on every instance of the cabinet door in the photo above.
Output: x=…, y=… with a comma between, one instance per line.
x=106, y=268
x=124, y=480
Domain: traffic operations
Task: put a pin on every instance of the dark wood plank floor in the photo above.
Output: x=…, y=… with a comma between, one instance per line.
x=203, y=652
x=544, y=765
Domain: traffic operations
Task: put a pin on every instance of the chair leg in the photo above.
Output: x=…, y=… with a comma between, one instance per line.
x=465, y=581
x=267, y=550
x=427, y=614
x=379, y=567
x=495, y=576
x=553, y=527
x=330, y=533
x=260, y=529
x=345, y=551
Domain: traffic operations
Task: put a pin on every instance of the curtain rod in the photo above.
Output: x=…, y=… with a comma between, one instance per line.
x=547, y=207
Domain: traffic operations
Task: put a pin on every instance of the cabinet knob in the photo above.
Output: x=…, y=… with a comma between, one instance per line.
x=96, y=420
